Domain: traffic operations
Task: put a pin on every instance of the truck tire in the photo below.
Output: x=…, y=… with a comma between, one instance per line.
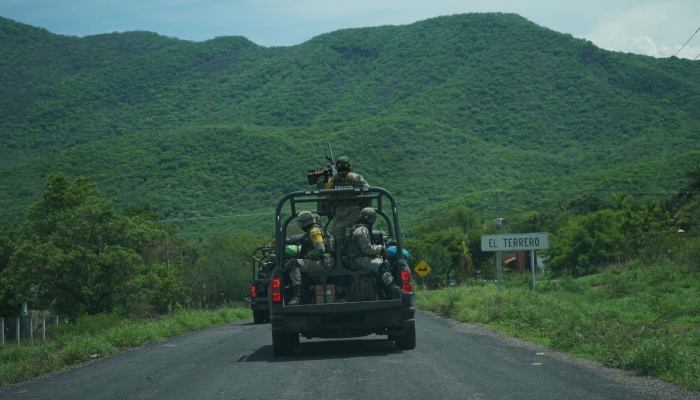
x=283, y=344
x=258, y=317
x=407, y=341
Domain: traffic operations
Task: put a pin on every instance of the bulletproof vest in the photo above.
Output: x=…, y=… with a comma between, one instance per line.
x=344, y=179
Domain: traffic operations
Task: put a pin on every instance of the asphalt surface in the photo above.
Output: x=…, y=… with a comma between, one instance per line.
x=451, y=361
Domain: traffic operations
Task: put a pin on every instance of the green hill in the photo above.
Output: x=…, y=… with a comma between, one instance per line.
x=439, y=112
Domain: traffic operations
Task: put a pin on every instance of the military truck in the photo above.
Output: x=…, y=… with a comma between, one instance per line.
x=340, y=303
x=259, y=284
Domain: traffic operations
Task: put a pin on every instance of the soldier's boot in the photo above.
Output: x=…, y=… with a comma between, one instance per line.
x=398, y=293
x=295, y=301
x=395, y=290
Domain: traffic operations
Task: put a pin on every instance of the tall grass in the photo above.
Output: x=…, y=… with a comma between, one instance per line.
x=99, y=336
x=642, y=318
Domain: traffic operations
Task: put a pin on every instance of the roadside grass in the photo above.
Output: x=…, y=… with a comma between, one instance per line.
x=643, y=318
x=100, y=336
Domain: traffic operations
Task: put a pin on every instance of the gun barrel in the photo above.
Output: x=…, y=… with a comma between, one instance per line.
x=334, y=171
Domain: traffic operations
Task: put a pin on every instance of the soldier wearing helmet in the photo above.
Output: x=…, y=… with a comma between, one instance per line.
x=364, y=254
x=315, y=253
x=345, y=212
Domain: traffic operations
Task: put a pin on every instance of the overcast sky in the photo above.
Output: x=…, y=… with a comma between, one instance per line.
x=657, y=28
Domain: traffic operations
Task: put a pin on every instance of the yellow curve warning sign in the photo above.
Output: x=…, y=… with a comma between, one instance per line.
x=422, y=269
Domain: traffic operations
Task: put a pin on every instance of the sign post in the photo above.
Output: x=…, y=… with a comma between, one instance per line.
x=517, y=241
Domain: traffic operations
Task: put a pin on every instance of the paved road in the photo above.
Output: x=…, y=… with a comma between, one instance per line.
x=451, y=361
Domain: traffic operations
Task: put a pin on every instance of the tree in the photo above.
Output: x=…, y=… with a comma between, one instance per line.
x=588, y=243
x=223, y=271
x=78, y=254
x=466, y=264
x=619, y=201
x=692, y=187
x=587, y=203
x=9, y=302
x=689, y=209
x=441, y=250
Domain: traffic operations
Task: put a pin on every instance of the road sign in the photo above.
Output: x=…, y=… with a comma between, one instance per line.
x=422, y=269
x=515, y=241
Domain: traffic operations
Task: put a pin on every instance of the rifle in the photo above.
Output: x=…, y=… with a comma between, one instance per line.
x=320, y=176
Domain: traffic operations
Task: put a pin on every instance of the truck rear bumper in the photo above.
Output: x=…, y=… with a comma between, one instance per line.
x=259, y=305
x=387, y=317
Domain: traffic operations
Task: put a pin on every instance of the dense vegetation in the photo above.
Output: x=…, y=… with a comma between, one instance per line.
x=587, y=233
x=77, y=255
x=447, y=108
x=642, y=317
x=622, y=283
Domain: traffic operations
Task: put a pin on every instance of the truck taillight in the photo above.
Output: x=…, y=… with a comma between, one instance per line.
x=406, y=281
x=276, y=297
x=252, y=292
x=276, y=285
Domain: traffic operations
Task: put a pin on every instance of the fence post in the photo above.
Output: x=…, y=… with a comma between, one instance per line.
x=17, y=326
x=31, y=329
x=2, y=329
x=43, y=327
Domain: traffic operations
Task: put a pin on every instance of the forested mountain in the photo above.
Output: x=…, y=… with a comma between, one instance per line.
x=443, y=110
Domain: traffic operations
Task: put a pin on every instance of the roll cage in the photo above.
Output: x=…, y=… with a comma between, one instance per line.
x=385, y=207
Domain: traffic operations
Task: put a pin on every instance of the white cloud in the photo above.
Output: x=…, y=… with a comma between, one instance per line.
x=657, y=29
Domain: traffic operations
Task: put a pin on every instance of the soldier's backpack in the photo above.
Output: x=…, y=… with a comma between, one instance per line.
x=362, y=290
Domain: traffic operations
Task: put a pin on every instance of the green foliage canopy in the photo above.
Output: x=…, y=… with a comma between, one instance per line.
x=454, y=106
x=79, y=254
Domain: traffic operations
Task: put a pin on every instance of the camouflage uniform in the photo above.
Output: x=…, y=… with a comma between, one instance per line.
x=360, y=247
x=324, y=263
x=315, y=256
x=345, y=212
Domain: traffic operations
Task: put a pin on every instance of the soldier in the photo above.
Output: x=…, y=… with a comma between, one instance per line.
x=316, y=250
x=265, y=267
x=345, y=212
x=364, y=254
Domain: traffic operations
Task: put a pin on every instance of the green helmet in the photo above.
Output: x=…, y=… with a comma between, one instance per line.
x=317, y=218
x=304, y=219
x=368, y=214
x=343, y=163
